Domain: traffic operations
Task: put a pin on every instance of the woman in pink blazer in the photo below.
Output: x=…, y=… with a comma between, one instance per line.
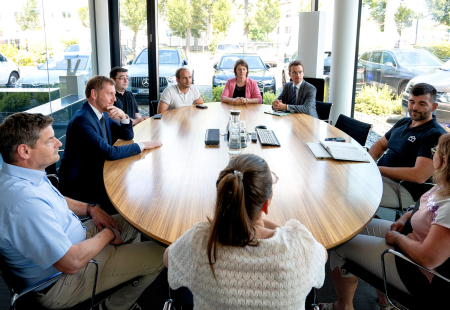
x=241, y=89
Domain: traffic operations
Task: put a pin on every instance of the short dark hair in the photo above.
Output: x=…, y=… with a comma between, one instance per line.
x=115, y=71
x=178, y=73
x=96, y=82
x=21, y=128
x=424, y=89
x=295, y=63
x=241, y=62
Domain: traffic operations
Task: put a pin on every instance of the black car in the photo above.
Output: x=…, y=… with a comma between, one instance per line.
x=257, y=71
x=396, y=67
x=170, y=59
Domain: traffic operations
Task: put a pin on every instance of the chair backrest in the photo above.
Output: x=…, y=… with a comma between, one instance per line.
x=323, y=110
x=153, y=107
x=8, y=276
x=356, y=129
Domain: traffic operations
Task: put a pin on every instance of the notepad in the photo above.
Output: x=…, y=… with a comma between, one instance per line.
x=344, y=151
x=318, y=150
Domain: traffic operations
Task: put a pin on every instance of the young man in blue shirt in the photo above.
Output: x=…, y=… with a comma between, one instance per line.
x=408, y=148
x=40, y=233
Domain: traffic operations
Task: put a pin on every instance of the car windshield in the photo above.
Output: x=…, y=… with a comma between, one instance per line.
x=419, y=58
x=168, y=57
x=228, y=47
x=254, y=62
x=165, y=57
x=61, y=64
x=446, y=66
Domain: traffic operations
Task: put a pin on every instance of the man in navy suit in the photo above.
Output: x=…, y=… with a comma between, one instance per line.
x=90, y=136
x=297, y=96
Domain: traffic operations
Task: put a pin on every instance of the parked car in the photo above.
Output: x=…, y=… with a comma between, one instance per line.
x=170, y=59
x=48, y=73
x=223, y=48
x=396, y=67
x=257, y=71
x=126, y=54
x=326, y=70
x=9, y=72
x=440, y=79
x=268, y=55
x=73, y=49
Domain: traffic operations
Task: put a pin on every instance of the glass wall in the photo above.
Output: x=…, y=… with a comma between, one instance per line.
x=402, y=43
x=45, y=58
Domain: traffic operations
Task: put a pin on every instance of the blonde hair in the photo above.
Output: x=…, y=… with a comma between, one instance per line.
x=442, y=175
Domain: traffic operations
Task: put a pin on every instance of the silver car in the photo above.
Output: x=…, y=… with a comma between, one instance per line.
x=440, y=79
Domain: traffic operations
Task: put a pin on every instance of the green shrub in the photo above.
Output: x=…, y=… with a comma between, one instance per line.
x=373, y=100
x=213, y=44
x=217, y=93
x=441, y=50
x=269, y=97
x=38, y=51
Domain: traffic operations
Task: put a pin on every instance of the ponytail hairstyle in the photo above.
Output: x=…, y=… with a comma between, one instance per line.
x=242, y=189
x=442, y=175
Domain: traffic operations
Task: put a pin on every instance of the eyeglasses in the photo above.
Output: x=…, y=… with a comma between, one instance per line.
x=433, y=151
x=297, y=73
x=123, y=78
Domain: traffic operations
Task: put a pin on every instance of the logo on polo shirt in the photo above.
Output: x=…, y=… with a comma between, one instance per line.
x=412, y=138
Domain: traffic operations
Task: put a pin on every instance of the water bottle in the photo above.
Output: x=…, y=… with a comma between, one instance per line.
x=234, y=133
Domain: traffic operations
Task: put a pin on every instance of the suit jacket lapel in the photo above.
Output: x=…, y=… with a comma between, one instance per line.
x=94, y=116
x=300, y=92
x=108, y=124
x=289, y=92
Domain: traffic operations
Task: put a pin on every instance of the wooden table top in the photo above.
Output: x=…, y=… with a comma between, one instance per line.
x=163, y=192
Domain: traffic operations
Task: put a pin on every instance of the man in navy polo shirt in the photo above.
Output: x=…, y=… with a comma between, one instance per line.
x=408, y=148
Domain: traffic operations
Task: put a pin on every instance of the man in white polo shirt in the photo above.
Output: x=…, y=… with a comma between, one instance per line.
x=183, y=94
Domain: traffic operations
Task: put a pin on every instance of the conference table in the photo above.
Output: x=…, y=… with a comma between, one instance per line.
x=163, y=192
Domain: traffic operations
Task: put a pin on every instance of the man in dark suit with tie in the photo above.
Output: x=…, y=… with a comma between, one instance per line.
x=297, y=96
x=90, y=136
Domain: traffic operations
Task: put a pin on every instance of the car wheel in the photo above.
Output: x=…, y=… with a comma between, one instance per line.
x=283, y=78
x=13, y=79
x=402, y=88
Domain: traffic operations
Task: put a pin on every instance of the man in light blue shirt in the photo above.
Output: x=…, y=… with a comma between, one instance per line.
x=41, y=235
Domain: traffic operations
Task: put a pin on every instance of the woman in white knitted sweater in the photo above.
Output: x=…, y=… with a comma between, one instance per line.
x=239, y=259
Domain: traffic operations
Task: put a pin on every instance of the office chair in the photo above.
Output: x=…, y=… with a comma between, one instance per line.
x=356, y=129
x=153, y=107
x=323, y=110
x=397, y=298
x=419, y=189
x=22, y=299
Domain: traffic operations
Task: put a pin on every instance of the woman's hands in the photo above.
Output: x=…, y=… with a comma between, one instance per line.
x=239, y=100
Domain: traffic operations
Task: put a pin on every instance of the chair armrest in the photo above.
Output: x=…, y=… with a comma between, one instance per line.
x=393, y=252
x=35, y=286
x=93, y=261
x=329, y=121
x=366, y=148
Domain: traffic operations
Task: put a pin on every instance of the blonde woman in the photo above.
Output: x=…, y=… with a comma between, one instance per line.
x=422, y=234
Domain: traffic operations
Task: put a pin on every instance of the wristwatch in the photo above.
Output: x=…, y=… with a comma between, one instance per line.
x=90, y=206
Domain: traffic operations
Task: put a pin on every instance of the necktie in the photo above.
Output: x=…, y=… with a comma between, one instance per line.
x=104, y=131
x=294, y=95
